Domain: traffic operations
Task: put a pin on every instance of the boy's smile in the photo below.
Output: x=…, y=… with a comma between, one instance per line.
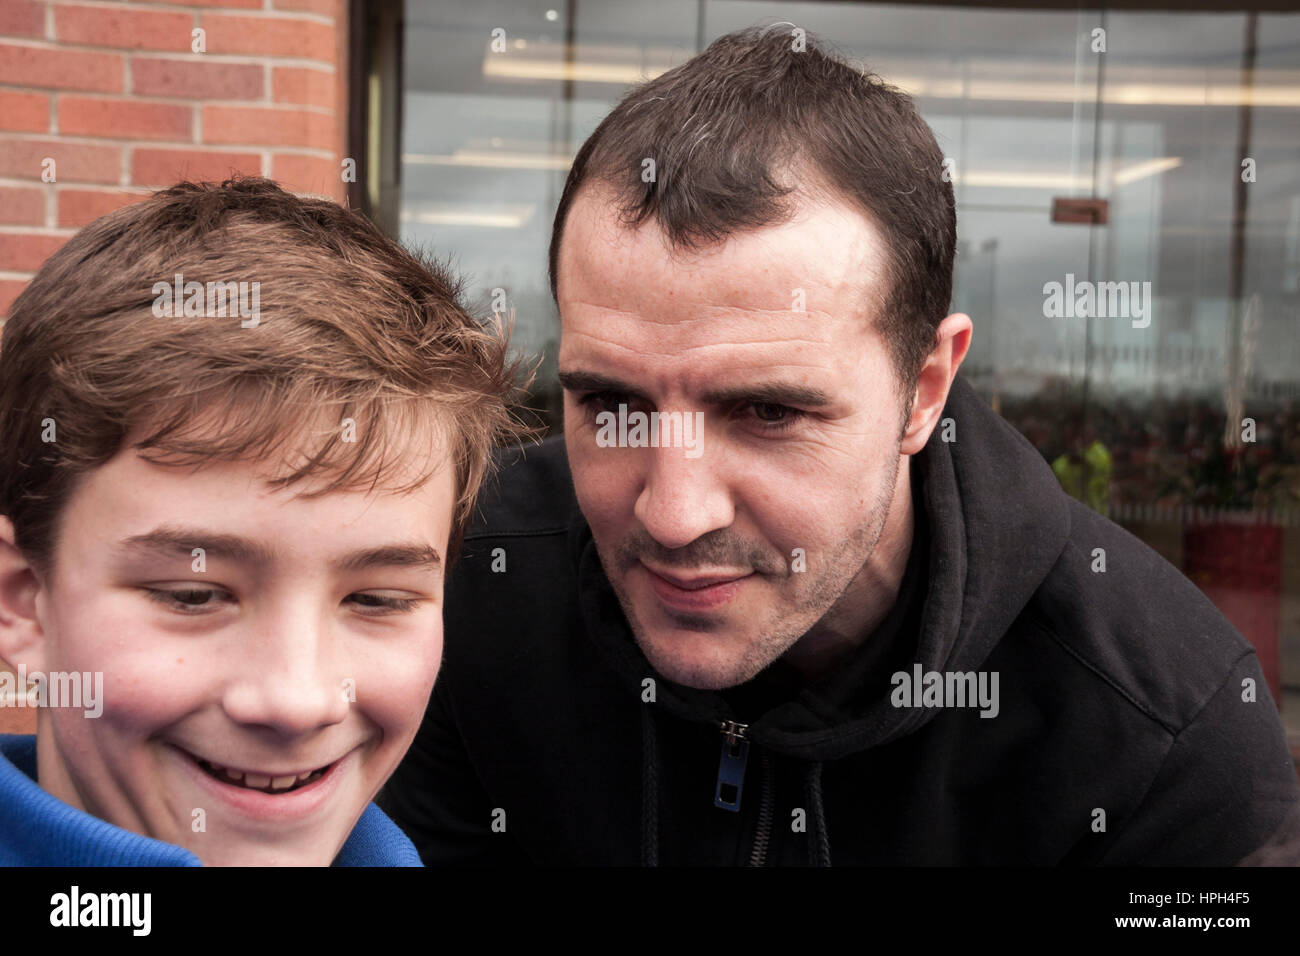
x=266, y=656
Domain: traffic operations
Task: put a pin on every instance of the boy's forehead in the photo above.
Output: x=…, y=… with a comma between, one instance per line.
x=410, y=447
x=131, y=496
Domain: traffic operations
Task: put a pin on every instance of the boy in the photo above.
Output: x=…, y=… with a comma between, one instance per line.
x=240, y=435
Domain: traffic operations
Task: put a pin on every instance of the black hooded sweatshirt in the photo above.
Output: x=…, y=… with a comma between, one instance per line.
x=1131, y=723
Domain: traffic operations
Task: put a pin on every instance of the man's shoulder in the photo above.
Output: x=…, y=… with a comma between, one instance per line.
x=514, y=588
x=1133, y=620
x=530, y=493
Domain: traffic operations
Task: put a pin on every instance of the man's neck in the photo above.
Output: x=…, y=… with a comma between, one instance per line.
x=869, y=597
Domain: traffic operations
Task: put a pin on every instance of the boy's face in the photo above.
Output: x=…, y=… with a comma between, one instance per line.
x=308, y=641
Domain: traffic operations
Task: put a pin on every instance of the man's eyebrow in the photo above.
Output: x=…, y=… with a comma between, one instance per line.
x=595, y=382
x=765, y=393
x=769, y=393
x=175, y=541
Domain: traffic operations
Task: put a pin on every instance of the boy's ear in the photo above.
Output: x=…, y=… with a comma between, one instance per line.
x=22, y=639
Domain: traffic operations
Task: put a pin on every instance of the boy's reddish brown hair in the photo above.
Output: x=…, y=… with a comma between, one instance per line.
x=350, y=326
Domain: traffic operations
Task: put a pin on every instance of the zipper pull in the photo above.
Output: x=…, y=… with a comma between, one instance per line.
x=731, y=768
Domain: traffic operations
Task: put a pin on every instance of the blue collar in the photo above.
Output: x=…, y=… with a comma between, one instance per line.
x=38, y=829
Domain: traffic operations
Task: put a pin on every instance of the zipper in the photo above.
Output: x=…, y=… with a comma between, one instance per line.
x=731, y=782
x=731, y=766
x=763, y=834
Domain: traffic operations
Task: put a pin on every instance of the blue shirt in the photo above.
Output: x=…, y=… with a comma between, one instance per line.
x=39, y=829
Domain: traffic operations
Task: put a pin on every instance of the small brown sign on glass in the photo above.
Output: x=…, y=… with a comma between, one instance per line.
x=1088, y=211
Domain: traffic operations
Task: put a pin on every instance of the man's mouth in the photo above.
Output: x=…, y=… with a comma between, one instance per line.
x=264, y=782
x=696, y=593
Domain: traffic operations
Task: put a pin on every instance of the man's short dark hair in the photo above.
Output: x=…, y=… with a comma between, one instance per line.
x=725, y=127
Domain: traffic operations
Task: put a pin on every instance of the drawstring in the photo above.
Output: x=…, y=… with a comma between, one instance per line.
x=649, y=789
x=821, y=854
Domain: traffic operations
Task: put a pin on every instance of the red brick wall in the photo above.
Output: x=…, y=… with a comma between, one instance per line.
x=114, y=94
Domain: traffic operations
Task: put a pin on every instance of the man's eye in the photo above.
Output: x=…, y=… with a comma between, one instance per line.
x=775, y=417
x=185, y=600
x=384, y=603
x=603, y=401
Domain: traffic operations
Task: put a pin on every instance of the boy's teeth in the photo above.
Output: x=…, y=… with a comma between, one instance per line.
x=260, y=782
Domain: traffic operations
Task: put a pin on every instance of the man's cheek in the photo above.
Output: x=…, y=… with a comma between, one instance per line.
x=601, y=492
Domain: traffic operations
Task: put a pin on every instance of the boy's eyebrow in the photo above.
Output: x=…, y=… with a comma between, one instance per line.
x=174, y=541
x=391, y=555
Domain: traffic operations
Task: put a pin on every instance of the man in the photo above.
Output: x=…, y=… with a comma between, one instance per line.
x=789, y=592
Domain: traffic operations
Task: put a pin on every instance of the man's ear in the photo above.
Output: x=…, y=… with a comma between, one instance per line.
x=952, y=340
x=22, y=639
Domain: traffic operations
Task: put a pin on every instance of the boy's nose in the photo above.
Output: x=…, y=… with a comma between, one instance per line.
x=289, y=677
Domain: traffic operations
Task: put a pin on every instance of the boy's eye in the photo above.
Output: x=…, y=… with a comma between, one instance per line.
x=185, y=600
x=204, y=600
x=384, y=603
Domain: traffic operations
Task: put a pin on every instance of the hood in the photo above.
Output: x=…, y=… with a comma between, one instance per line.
x=995, y=521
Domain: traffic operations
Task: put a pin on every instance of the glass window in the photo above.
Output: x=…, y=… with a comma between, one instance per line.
x=1172, y=408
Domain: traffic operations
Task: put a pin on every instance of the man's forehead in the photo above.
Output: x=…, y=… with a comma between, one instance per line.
x=827, y=258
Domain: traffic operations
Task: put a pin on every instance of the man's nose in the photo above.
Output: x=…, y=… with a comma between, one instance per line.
x=289, y=676
x=682, y=498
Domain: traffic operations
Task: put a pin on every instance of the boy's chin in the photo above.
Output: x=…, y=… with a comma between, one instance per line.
x=259, y=854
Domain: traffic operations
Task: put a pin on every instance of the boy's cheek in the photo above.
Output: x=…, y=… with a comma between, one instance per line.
x=395, y=690
x=143, y=679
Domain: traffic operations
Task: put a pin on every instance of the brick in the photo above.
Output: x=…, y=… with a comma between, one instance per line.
x=269, y=127
x=80, y=206
x=40, y=67
x=124, y=119
x=329, y=8
x=292, y=84
x=197, y=79
x=307, y=174
x=26, y=112
x=151, y=166
x=22, y=18
x=241, y=4
x=27, y=251
x=269, y=36
x=74, y=162
x=22, y=206
x=127, y=29
x=10, y=290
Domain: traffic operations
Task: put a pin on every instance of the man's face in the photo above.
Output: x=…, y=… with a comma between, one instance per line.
x=724, y=555
x=306, y=639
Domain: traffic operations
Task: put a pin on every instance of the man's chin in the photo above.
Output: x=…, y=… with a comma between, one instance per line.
x=697, y=660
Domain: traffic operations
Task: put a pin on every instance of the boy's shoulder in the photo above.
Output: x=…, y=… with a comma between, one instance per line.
x=39, y=829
